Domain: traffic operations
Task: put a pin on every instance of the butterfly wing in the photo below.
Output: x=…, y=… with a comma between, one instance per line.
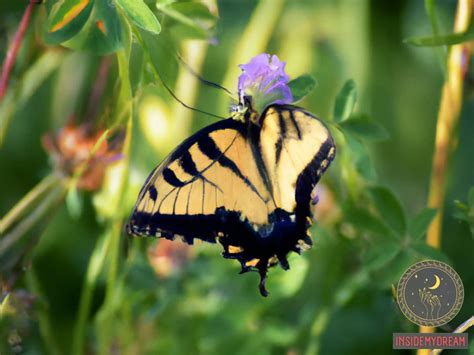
x=296, y=149
x=247, y=185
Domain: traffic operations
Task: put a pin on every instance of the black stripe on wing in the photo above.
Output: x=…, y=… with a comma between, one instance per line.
x=187, y=163
x=170, y=178
x=209, y=148
x=293, y=119
x=281, y=137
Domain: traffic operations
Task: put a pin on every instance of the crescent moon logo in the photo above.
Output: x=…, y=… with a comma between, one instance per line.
x=436, y=284
x=427, y=305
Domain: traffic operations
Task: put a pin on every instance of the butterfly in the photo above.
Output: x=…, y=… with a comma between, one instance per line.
x=247, y=184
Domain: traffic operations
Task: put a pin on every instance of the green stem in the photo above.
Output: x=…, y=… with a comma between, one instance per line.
x=27, y=223
x=115, y=227
x=96, y=264
x=317, y=329
x=114, y=260
x=430, y=7
x=108, y=247
x=42, y=314
x=28, y=201
x=342, y=295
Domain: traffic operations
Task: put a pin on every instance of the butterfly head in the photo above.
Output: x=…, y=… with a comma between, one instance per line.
x=245, y=110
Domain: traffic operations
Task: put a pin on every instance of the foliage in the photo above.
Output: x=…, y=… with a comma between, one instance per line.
x=99, y=73
x=465, y=212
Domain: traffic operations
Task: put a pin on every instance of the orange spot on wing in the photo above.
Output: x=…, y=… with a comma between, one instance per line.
x=252, y=262
x=101, y=26
x=234, y=249
x=70, y=15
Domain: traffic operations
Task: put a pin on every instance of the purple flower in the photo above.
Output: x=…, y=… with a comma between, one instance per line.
x=265, y=80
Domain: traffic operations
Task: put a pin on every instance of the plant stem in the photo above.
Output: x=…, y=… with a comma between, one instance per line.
x=448, y=117
x=108, y=248
x=42, y=314
x=317, y=329
x=430, y=7
x=96, y=263
x=13, y=50
x=28, y=201
x=115, y=224
x=56, y=194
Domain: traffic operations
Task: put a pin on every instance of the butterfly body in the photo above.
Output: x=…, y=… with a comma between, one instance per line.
x=246, y=183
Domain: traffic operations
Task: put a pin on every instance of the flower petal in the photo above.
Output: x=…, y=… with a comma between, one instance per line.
x=265, y=80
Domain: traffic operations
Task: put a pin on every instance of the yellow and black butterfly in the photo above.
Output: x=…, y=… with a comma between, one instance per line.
x=245, y=182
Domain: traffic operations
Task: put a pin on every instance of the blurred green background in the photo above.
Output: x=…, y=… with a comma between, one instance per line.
x=139, y=296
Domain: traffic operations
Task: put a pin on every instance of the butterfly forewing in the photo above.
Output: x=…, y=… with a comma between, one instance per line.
x=212, y=171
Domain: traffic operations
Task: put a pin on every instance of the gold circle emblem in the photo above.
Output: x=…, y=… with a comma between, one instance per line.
x=430, y=293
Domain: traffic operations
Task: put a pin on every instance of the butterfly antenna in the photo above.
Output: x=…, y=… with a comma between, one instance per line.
x=184, y=104
x=201, y=79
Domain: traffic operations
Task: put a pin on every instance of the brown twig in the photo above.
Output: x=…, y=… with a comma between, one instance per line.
x=448, y=117
x=13, y=50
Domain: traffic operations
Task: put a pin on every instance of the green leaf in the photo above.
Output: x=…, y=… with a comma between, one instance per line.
x=194, y=10
x=465, y=212
x=381, y=254
x=363, y=127
x=470, y=197
x=430, y=7
x=361, y=158
x=345, y=101
x=194, y=19
x=363, y=220
x=141, y=15
x=424, y=251
x=66, y=19
x=462, y=209
x=349, y=287
x=394, y=268
x=441, y=40
x=302, y=86
x=419, y=225
x=389, y=208
x=102, y=32
x=136, y=66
